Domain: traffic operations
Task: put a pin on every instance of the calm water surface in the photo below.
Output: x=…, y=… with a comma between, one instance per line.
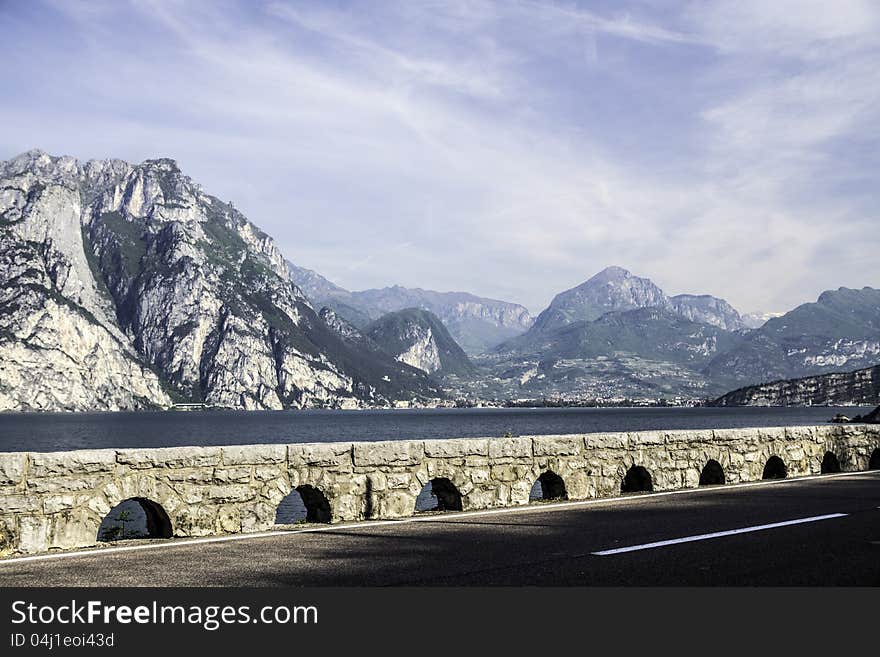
x=67, y=431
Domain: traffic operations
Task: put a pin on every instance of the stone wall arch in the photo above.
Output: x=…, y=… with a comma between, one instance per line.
x=439, y=494
x=135, y=518
x=774, y=468
x=874, y=460
x=548, y=486
x=830, y=463
x=712, y=474
x=637, y=480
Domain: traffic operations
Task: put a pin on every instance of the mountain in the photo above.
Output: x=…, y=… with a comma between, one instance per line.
x=706, y=309
x=616, y=289
x=612, y=289
x=840, y=330
x=418, y=338
x=476, y=323
x=127, y=286
x=861, y=387
x=644, y=353
x=757, y=320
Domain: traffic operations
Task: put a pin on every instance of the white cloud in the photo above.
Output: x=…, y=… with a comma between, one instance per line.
x=478, y=146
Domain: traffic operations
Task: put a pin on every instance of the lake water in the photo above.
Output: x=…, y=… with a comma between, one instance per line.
x=68, y=431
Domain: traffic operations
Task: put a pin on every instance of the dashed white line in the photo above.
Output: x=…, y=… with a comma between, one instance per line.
x=704, y=537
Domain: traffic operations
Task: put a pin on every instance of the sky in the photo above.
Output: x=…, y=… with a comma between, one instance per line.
x=509, y=149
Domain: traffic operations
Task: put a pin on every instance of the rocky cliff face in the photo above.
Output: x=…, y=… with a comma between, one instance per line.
x=418, y=338
x=861, y=387
x=127, y=286
x=706, y=309
x=475, y=323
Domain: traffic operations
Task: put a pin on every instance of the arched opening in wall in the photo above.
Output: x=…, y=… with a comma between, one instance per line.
x=439, y=494
x=874, y=461
x=712, y=474
x=637, y=480
x=549, y=486
x=303, y=504
x=136, y=517
x=830, y=463
x=775, y=469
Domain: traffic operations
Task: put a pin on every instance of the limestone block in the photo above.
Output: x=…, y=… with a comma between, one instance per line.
x=33, y=534
x=223, y=494
x=396, y=452
x=319, y=454
x=454, y=448
x=257, y=517
x=253, y=454
x=557, y=445
x=65, y=484
x=229, y=520
x=399, y=480
x=605, y=441
x=169, y=457
x=236, y=474
x=639, y=439
x=85, y=461
x=267, y=472
x=510, y=448
x=21, y=503
x=12, y=468
x=59, y=502
x=395, y=504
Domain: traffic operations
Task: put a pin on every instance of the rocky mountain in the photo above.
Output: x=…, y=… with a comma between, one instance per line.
x=127, y=286
x=841, y=330
x=476, y=323
x=616, y=289
x=612, y=289
x=706, y=309
x=644, y=353
x=418, y=338
x=861, y=387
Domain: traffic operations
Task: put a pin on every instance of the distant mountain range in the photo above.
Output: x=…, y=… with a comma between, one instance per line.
x=839, y=331
x=476, y=323
x=127, y=286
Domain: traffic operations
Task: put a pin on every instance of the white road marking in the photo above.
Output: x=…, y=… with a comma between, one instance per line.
x=704, y=537
x=448, y=517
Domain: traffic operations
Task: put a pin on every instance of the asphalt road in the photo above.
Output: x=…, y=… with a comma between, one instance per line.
x=540, y=545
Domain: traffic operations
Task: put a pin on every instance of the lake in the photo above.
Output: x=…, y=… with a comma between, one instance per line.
x=45, y=432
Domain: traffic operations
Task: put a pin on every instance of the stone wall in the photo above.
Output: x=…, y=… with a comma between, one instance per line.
x=58, y=500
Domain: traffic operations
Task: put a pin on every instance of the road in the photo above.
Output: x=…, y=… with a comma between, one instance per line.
x=823, y=531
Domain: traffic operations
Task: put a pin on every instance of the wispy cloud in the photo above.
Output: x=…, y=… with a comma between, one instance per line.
x=506, y=148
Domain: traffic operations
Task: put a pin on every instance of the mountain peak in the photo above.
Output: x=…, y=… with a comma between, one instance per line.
x=612, y=273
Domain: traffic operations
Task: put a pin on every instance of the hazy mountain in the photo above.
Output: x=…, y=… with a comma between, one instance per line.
x=839, y=331
x=418, y=338
x=707, y=309
x=476, y=323
x=616, y=289
x=613, y=288
x=757, y=320
x=127, y=286
x=861, y=387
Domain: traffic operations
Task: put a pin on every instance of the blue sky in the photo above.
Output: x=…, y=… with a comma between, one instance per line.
x=509, y=149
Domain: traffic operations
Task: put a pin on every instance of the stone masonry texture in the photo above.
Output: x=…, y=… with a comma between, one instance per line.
x=52, y=501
